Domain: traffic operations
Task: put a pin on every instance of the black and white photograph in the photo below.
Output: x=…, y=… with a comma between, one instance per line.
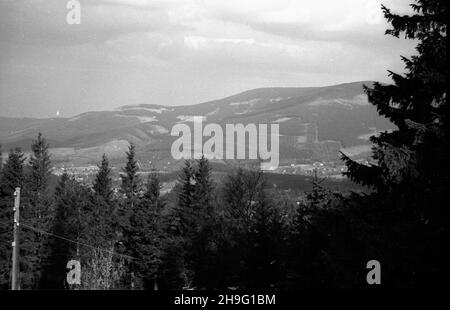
x=223, y=151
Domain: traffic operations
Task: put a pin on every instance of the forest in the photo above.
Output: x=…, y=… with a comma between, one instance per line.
x=240, y=234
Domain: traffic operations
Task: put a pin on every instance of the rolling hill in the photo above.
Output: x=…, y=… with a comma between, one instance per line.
x=334, y=117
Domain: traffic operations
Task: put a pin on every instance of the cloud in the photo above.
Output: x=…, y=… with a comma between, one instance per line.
x=43, y=22
x=357, y=22
x=184, y=51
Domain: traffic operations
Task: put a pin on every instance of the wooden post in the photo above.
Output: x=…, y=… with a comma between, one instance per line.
x=15, y=244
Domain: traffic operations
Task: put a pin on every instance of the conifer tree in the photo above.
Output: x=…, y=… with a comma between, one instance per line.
x=104, y=212
x=153, y=190
x=416, y=103
x=408, y=169
x=13, y=171
x=103, y=180
x=129, y=205
x=243, y=198
x=195, y=195
x=37, y=212
x=204, y=188
x=60, y=251
x=130, y=179
x=200, y=249
x=186, y=188
x=240, y=194
x=173, y=272
x=146, y=235
x=12, y=176
x=72, y=221
x=38, y=177
x=265, y=241
x=129, y=188
x=192, y=218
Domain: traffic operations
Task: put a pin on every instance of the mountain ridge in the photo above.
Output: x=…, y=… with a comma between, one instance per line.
x=339, y=113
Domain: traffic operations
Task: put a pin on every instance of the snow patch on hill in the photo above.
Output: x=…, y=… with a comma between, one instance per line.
x=276, y=99
x=360, y=100
x=282, y=120
x=248, y=105
x=189, y=118
x=250, y=102
x=142, y=119
x=157, y=129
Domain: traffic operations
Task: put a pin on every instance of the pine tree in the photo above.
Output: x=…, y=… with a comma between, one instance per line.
x=61, y=251
x=129, y=188
x=129, y=205
x=245, y=206
x=130, y=179
x=73, y=222
x=103, y=180
x=173, y=272
x=102, y=228
x=240, y=194
x=38, y=178
x=182, y=225
x=146, y=235
x=184, y=215
x=37, y=212
x=204, y=188
x=195, y=195
x=265, y=239
x=153, y=191
x=192, y=218
x=13, y=171
x=408, y=170
x=412, y=155
x=12, y=176
x=200, y=249
x=319, y=195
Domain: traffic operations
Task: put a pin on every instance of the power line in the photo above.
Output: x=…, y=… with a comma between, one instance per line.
x=70, y=240
x=76, y=242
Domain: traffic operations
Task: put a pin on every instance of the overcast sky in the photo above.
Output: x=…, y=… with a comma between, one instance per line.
x=176, y=52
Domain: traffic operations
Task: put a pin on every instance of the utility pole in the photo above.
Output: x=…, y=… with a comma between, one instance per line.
x=15, y=244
